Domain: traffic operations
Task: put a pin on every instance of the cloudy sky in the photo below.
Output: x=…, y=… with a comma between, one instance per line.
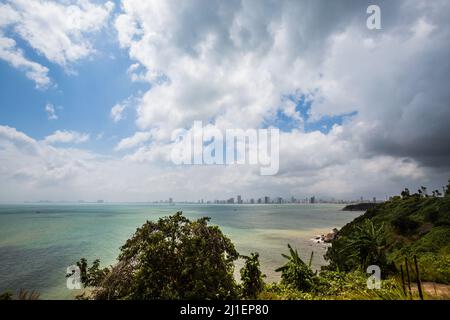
x=90, y=92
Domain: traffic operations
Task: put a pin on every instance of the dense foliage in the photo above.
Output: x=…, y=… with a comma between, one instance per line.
x=334, y=285
x=174, y=258
x=296, y=273
x=251, y=277
x=407, y=225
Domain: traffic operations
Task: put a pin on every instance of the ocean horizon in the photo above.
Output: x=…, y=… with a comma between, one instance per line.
x=38, y=241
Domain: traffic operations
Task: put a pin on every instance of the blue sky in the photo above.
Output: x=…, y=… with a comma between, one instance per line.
x=303, y=107
x=82, y=97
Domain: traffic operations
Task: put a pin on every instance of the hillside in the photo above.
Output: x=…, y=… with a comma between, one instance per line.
x=415, y=224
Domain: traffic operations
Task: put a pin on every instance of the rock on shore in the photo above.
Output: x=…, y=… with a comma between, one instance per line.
x=328, y=238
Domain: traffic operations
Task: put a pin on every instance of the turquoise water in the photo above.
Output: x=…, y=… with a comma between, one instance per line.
x=39, y=241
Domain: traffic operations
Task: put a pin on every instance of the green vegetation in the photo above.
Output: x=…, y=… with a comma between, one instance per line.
x=295, y=273
x=175, y=258
x=333, y=285
x=251, y=277
x=407, y=225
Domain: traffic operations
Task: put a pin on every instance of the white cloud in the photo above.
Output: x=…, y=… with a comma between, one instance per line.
x=51, y=113
x=11, y=134
x=116, y=113
x=136, y=140
x=57, y=30
x=34, y=170
x=234, y=64
x=65, y=136
x=14, y=56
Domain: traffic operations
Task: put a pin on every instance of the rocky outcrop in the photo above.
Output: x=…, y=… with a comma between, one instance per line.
x=328, y=238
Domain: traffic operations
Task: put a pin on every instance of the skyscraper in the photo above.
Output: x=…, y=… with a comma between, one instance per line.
x=239, y=199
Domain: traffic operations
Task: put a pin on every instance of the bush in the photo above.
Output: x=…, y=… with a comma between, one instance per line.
x=276, y=291
x=174, y=258
x=251, y=277
x=405, y=225
x=295, y=273
x=434, y=267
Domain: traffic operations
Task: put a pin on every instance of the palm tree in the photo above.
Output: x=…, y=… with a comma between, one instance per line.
x=368, y=244
x=295, y=272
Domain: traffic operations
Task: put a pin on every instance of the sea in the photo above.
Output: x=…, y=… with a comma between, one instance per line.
x=38, y=242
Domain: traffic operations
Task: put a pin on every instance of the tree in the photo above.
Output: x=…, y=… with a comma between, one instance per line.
x=368, y=244
x=174, y=258
x=405, y=193
x=296, y=273
x=90, y=276
x=447, y=190
x=251, y=277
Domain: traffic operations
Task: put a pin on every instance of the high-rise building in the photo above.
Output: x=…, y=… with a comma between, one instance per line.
x=170, y=200
x=259, y=200
x=279, y=200
x=252, y=201
x=230, y=201
x=312, y=200
x=239, y=199
x=266, y=199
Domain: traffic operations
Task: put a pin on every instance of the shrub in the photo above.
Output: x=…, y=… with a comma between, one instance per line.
x=295, y=273
x=405, y=225
x=251, y=277
x=174, y=258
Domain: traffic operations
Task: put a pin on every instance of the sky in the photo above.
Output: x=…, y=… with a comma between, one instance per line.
x=91, y=92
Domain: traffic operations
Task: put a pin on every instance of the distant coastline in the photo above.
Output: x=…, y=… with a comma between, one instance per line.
x=359, y=206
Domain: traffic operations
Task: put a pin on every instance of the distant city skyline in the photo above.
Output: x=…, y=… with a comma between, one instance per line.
x=237, y=200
